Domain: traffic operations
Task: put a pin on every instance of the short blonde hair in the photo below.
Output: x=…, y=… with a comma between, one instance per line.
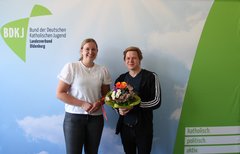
x=132, y=48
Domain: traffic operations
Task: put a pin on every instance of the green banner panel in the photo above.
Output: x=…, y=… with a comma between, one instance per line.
x=210, y=118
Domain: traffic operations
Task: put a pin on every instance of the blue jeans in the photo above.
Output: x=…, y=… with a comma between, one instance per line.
x=82, y=130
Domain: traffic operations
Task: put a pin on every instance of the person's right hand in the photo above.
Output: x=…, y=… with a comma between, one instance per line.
x=124, y=111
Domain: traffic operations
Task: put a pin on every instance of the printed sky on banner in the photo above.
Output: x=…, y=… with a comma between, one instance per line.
x=167, y=32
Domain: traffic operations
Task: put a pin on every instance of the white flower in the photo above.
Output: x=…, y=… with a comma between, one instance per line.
x=113, y=95
x=118, y=93
x=107, y=98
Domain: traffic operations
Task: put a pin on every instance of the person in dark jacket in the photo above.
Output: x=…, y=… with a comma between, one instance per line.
x=135, y=125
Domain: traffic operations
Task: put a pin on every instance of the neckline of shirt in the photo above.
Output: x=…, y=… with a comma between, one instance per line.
x=87, y=68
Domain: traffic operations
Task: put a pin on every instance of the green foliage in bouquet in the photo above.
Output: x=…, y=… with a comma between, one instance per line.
x=122, y=96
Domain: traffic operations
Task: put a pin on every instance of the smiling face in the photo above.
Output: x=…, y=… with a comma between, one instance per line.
x=89, y=52
x=132, y=60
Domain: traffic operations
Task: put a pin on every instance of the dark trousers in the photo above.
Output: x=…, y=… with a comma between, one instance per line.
x=135, y=140
x=82, y=130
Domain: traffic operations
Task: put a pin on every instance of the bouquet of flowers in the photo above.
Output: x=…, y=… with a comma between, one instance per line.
x=122, y=96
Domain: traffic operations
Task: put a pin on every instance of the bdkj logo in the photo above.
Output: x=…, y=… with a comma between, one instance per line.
x=15, y=33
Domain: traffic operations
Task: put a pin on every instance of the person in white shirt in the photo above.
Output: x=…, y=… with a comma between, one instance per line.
x=81, y=86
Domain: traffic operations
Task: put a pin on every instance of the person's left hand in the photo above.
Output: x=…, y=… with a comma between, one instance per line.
x=95, y=107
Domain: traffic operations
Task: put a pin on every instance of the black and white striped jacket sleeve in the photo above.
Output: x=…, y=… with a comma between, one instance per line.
x=153, y=92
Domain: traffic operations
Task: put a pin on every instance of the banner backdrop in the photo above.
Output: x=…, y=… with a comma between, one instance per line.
x=210, y=119
x=39, y=37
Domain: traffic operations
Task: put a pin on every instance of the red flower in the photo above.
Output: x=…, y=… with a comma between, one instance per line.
x=121, y=85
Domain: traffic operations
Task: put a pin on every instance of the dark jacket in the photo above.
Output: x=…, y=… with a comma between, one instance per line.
x=150, y=94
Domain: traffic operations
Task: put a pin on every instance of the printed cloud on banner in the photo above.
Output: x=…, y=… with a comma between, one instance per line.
x=15, y=33
x=51, y=130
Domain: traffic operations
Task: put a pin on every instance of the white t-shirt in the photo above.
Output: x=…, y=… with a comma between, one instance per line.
x=85, y=84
